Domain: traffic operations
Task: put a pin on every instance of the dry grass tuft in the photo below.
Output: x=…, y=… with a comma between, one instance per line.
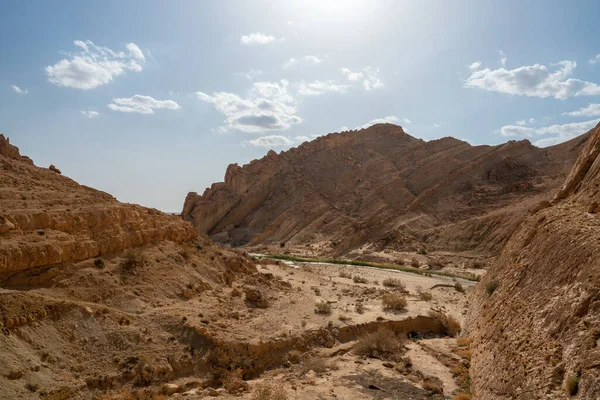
x=394, y=302
x=393, y=283
x=431, y=386
x=267, y=391
x=425, y=296
x=323, y=308
x=359, y=279
x=344, y=274
x=382, y=344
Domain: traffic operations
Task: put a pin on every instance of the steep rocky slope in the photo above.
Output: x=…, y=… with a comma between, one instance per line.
x=380, y=185
x=535, y=318
x=47, y=219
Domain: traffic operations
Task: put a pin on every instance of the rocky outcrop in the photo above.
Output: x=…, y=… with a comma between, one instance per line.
x=47, y=219
x=535, y=317
x=354, y=188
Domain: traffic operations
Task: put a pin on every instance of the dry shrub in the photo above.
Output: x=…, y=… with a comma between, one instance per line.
x=464, y=341
x=394, y=283
x=450, y=324
x=360, y=308
x=425, y=296
x=431, y=386
x=267, y=391
x=133, y=260
x=394, y=302
x=294, y=356
x=459, y=288
x=359, y=279
x=323, y=307
x=344, y=274
x=415, y=263
x=316, y=364
x=382, y=344
x=462, y=396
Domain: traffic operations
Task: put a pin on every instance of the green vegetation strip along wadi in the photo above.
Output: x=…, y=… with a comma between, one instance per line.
x=369, y=264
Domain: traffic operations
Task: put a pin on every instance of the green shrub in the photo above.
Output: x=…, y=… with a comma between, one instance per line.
x=323, y=307
x=459, y=288
x=99, y=263
x=491, y=287
x=572, y=385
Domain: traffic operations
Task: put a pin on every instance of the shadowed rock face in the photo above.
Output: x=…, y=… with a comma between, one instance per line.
x=540, y=327
x=47, y=219
x=358, y=187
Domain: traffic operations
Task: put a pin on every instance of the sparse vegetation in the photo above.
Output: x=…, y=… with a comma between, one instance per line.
x=323, y=308
x=415, y=263
x=282, y=244
x=133, y=260
x=317, y=291
x=393, y=283
x=99, y=263
x=382, y=344
x=450, y=324
x=491, y=287
x=413, y=270
x=267, y=391
x=422, y=251
x=459, y=288
x=572, y=385
x=425, y=296
x=360, y=308
x=462, y=396
x=316, y=364
x=394, y=302
x=32, y=387
x=344, y=274
x=359, y=279
x=431, y=386
x=344, y=318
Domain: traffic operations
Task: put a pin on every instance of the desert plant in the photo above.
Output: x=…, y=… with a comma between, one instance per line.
x=99, y=263
x=32, y=387
x=572, y=385
x=448, y=322
x=359, y=279
x=282, y=244
x=415, y=263
x=267, y=391
x=462, y=396
x=316, y=364
x=431, y=386
x=422, y=251
x=425, y=296
x=323, y=307
x=360, y=308
x=343, y=317
x=344, y=274
x=491, y=287
x=382, y=344
x=459, y=288
x=133, y=260
x=394, y=302
x=393, y=282
x=317, y=291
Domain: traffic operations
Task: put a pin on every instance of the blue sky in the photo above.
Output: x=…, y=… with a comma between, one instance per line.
x=149, y=100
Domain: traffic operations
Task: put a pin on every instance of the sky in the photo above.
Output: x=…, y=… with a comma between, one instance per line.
x=149, y=100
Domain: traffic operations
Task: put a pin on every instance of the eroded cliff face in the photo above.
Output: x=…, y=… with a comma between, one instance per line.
x=535, y=318
x=48, y=219
x=353, y=188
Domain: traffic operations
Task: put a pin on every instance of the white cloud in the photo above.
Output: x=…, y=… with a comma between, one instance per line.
x=385, y=120
x=141, y=104
x=591, y=110
x=436, y=126
x=557, y=133
x=310, y=60
x=595, y=59
x=502, y=58
x=257, y=38
x=94, y=66
x=313, y=59
x=268, y=106
x=289, y=63
x=250, y=74
x=135, y=52
x=368, y=75
x=534, y=81
x=19, y=90
x=271, y=141
x=344, y=129
x=522, y=122
x=317, y=88
x=475, y=66
x=90, y=114
x=302, y=139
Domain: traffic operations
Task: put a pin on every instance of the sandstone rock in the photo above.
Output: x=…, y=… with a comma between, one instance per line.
x=170, y=388
x=54, y=169
x=255, y=297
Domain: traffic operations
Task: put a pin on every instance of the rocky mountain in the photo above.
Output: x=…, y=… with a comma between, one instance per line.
x=535, y=317
x=381, y=187
x=47, y=219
